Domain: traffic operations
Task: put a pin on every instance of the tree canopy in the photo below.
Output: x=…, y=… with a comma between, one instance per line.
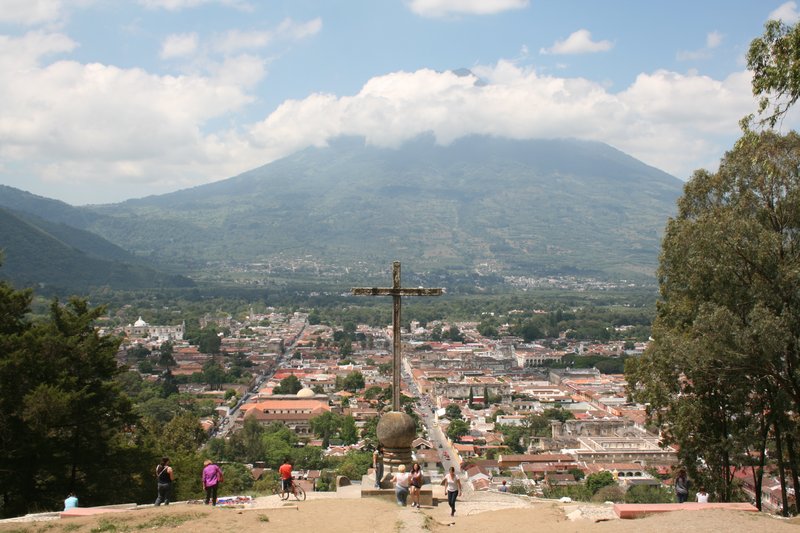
x=63, y=412
x=724, y=367
x=774, y=59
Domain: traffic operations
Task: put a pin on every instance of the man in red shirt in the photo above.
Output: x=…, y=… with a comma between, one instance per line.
x=286, y=476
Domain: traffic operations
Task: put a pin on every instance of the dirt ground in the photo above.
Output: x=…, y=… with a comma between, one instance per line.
x=371, y=515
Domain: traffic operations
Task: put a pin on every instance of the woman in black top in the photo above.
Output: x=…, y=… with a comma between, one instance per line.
x=165, y=477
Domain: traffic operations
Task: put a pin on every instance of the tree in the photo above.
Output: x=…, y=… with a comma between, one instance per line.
x=457, y=429
x=355, y=464
x=721, y=372
x=354, y=381
x=558, y=413
x=349, y=432
x=165, y=357
x=213, y=373
x=209, y=341
x=168, y=384
x=289, y=385
x=453, y=412
x=63, y=411
x=454, y=334
x=326, y=426
x=598, y=480
x=774, y=59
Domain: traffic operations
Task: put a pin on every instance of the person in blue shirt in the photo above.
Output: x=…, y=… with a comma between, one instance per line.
x=71, y=502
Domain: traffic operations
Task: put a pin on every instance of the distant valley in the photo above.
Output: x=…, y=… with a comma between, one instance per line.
x=484, y=205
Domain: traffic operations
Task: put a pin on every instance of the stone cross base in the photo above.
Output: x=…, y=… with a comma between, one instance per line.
x=396, y=431
x=394, y=457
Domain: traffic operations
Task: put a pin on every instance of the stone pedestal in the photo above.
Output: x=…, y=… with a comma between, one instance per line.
x=396, y=431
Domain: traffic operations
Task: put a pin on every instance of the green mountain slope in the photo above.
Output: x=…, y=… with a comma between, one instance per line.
x=60, y=259
x=514, y=207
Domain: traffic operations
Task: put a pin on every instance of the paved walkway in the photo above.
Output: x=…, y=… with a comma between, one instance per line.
x=411, y=520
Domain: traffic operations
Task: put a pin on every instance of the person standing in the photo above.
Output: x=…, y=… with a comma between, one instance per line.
x=212, y=477
x=682, y=486
x=503, y=487
x=377, y=464
x=286, y=477
x=400, y=480
x=71, y=502
x=453, y=489
x=415, y=484
x=164, y=478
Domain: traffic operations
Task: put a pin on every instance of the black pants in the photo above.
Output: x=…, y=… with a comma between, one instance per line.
x=451, y=500
x=164, y=490
x=211, y=494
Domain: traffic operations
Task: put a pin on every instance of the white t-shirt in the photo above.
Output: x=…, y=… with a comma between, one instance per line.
x=702, y=497
x=452, y=482
x=401, y=479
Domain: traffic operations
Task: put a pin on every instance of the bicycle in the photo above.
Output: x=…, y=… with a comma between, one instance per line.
x=296, y=490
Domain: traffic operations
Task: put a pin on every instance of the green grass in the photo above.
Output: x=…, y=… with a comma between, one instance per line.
x=160, y=522
x=168, y=521
x=105, y=525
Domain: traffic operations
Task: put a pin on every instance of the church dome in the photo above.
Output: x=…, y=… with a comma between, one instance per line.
x=140, y=323
x=305, y=393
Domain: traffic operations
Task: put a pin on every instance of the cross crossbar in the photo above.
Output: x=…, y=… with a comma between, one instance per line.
x=396, y=292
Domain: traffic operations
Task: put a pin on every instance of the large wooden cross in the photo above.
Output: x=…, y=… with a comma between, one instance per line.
x=395, y=291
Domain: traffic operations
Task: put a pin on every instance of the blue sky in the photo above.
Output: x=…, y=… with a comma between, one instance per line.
x=105, y=100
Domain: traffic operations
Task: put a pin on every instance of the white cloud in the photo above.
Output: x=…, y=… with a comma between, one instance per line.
x=22, y=53
x=664, y=118
x=179, y=5
x=442, y=8
x=786, y=12
x=713, y=39
x=89, y=129
x=579, y=42
x=178, y=45
x=31, y=12
x=93, y=124
x=290, y=29
x=236, y=40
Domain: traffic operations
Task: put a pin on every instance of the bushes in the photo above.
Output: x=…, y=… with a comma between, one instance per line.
x=649, y=494
x=598, y=480
x=575, y=492
x=609, y=493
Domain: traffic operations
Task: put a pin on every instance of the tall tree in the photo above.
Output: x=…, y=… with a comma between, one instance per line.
x=325, y=426
x=289, y=385
x=728, y=322
x=63, y=412
x=349, y=432
x=774, y=59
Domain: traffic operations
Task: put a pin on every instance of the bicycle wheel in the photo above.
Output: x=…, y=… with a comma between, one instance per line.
x=299, y=493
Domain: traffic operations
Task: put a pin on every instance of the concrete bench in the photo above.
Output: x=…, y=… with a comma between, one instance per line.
x=638, y=510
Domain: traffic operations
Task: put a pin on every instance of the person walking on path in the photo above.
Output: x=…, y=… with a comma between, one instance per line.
x=682, y=486
x=377, y=464
x=400, y=480
x=415, y=484
x=453, y=489
x=286, y=477
x=212, y=477
x=164, y=476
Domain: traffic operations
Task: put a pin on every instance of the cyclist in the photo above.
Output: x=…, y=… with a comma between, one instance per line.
x=286, y=477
